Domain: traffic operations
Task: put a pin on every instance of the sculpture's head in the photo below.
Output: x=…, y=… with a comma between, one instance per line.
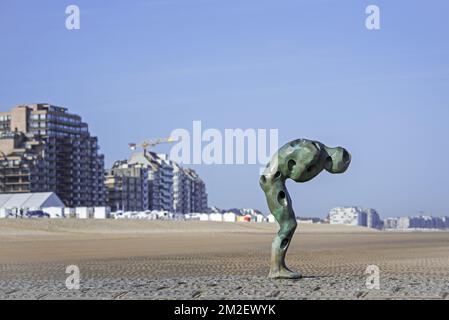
x=338, y=160
x=304, y=159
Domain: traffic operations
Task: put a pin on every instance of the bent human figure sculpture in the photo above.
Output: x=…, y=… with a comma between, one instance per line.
x=300, y=160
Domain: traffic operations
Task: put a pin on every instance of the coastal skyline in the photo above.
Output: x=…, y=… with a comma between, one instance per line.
x=309, y=69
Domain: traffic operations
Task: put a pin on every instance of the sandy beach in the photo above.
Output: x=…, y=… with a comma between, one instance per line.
x=124, y=259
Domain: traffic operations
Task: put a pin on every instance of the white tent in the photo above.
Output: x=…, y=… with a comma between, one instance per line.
x=34, y=201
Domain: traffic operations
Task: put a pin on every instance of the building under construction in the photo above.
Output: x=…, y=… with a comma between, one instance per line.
x=127, y=187
x=169, y=186
x=44, y=148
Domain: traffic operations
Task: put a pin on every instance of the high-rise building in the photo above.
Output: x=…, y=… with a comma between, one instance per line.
x=373, y=219
x=160, y=179
x=171, y=187
x=46, y=148
x=189, y=191
x=391, y=223
x=419, y=222
x=198, y=191
x=356, y=216
x=403, y=223
x=127, y=187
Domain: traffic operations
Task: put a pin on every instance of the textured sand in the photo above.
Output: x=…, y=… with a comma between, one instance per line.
x=204, y=260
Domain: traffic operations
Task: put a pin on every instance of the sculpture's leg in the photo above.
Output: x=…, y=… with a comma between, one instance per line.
x=279, y=247
x=282, y=210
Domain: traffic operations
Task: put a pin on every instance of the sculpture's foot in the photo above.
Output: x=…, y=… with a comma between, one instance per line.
x=284, y=273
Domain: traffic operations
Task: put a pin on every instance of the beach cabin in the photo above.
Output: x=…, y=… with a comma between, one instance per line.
x=69, y=212
x=84, y=212
x=216, y=217
x=229, y=217
x=102, y=212
x=244, y=218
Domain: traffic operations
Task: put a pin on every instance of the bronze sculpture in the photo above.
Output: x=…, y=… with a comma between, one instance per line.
x=300, y=160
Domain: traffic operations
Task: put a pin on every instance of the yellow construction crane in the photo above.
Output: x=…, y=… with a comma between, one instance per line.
x=151, y=143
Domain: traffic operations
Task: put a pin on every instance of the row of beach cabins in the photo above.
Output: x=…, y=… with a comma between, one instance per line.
x=105, y=213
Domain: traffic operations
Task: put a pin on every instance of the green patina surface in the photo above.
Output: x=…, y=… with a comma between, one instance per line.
x=300, y=160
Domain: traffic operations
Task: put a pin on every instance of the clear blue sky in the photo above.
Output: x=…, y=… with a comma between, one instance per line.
x=139, y=69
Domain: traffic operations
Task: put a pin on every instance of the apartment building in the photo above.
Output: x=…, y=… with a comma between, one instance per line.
x=373, y=219
x=44, y=148
x=189, y=191
x=171, y=187
x=422, y=222
x=355, y=216
x=127, y=187
x=160, y=179
x=391, y=223
x=198, y=199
